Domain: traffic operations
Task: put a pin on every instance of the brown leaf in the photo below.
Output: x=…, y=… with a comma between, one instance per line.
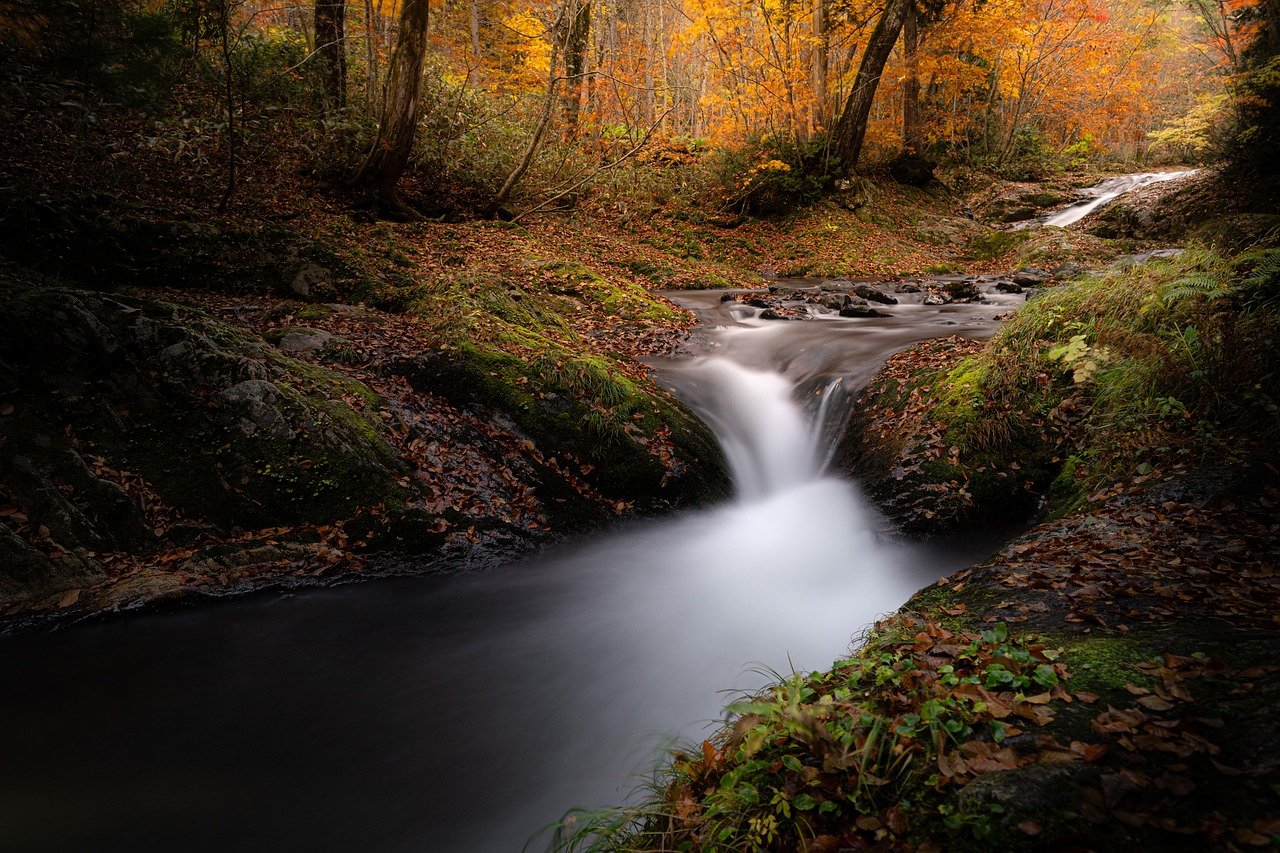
x=1155, y=703
x=1251, y=838
x=1030, y=827
x=69, y=598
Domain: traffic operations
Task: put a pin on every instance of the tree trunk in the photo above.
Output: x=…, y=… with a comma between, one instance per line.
x=331, y=47
x=575, y=63
x=553, y=81
x=851, y=129
x=912, y=135
x=394, y=143
x=475, y=28
x=370, y=59
x=818, y=69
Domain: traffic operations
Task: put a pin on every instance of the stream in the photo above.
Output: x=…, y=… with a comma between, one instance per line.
x=1096, y=196
x=465, y=712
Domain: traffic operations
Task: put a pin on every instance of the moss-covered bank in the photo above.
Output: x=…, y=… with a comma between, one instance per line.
x=156, y=450
x=1097, y=381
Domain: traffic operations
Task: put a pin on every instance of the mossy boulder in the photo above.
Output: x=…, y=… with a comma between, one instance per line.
x=218, y=424
x=623, y=436
x=936, y=453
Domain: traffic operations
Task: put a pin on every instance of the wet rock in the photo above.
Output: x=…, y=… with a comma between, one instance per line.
x=871, y=294
x=785, y=292
x=836, y=286
x=760, y=302
x=834, y=301
x=860, y=309
x=964, y=290
x=1067, y=271
x=1008, y=287
x=936, y=297
x=909, y=287
x=728, y=297
x=1030, y=277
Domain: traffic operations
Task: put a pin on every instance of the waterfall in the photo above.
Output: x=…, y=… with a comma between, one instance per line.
x=1106, y=191
x=768, y=442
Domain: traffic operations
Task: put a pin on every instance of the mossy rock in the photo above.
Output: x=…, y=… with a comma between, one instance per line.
x=937, y=455
x=994, y=244
x=628, y=438
x=221, y=425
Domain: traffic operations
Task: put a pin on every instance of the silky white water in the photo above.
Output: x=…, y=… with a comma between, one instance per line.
x=1109, y=190
x=463, y=713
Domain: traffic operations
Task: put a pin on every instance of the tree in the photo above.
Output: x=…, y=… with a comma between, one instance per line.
x=393, y=144
x=851, y=129
x=575, y=55
x=330, y=23
x=912, y=134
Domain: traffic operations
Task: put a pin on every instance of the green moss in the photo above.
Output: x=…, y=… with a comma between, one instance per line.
x=585, y=408
x=313, y=312
x=995, y=244
x=1104, y=663
x=1043, y=199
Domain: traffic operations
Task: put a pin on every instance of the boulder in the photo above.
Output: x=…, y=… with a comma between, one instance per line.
x=964, y=290
x=859, y=309
x=871, y=294
x=1030, y=277
x=303, y=340
x=834, y=301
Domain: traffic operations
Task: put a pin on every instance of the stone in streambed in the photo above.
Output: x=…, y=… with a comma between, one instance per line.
x=834, y=301
x=860, y=309
x=1030, y=277
x=871, y=294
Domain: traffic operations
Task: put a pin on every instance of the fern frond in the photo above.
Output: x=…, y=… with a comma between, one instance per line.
x=1199, y=283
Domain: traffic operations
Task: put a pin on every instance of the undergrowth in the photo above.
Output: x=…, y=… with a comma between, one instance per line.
x=917, y=709
x=1123, y=371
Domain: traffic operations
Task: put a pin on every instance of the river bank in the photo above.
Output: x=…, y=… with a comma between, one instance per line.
x=1103, y=680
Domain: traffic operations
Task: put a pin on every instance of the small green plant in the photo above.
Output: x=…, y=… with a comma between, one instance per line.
x=812, y=752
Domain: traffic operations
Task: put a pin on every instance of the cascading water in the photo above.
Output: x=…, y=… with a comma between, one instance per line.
x=462, y=713
x=1109, y=190
x=769, y=444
